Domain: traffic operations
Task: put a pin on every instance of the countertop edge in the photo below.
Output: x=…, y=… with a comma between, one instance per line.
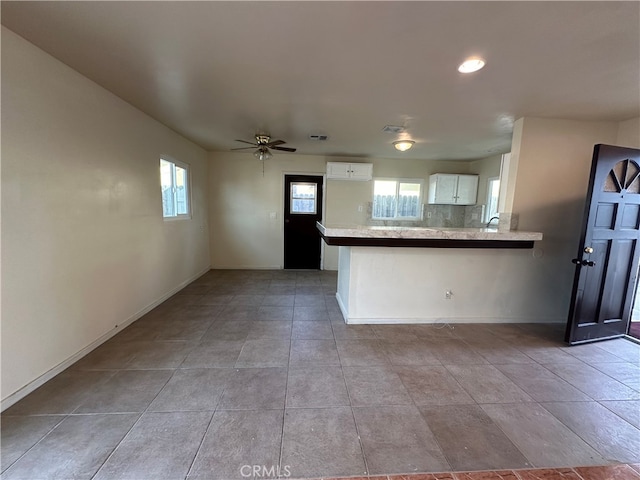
x=334, y=234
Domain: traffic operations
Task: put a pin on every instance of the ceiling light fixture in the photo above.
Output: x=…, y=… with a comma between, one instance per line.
x=471, y=65
x=403, y=145
x=262, y=153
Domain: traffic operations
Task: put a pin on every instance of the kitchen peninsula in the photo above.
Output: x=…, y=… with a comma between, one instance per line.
x=393, y=274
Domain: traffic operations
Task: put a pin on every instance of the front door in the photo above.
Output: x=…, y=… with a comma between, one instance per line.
x=608, y=253
x=302, y=209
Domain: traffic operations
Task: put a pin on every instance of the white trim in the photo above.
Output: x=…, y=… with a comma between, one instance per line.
x=246, y=267
x=398, y=181
x=45, y=377
x=343, y=308
x=187, y=168
x=440, y=321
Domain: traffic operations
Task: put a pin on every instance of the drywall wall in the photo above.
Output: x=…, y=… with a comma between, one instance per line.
x=485, y=168
x=84, y=245
x=243, y=232
x=553, y=160
x=246, y=204
x=629, y=133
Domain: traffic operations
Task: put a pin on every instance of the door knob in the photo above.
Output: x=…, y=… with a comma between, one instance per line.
x=588, y=250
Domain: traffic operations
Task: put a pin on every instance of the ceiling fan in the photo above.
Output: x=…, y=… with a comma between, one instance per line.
x=264, y=144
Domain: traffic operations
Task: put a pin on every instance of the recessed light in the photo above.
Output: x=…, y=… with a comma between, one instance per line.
x=471, y=65
x=403, y=145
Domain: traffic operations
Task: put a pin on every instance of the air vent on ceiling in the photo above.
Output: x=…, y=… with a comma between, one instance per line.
x=393, y=129
x=318, y=138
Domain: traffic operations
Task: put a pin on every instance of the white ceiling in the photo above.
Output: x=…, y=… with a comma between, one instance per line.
x=218, y=71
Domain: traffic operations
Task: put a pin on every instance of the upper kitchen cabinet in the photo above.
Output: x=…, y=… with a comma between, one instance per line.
x=349, y=171
x=453, y=189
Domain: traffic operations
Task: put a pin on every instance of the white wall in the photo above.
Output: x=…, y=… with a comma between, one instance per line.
x=629, y=133
x=243, y=234
x=485, y=168
x=84, y=245
x=553, y=160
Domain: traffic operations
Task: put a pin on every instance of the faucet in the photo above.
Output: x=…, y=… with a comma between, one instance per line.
x=491, y=220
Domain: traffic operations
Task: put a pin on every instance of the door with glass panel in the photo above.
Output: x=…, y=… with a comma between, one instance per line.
x=608, y=252
x=302, y=209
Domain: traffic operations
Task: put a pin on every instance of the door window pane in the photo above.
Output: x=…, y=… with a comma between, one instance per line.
x=303, y=198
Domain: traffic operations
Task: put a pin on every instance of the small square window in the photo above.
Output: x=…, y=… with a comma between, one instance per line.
x=303, y=198
x=174, y=182
x=397, y=199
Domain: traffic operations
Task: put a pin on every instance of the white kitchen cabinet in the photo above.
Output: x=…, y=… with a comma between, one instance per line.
x=453, y=189
x=349, y=171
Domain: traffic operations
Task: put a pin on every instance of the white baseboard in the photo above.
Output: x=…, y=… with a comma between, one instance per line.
x=445, y=321
x=42, y=379
x=247, y=267
x=343, y=308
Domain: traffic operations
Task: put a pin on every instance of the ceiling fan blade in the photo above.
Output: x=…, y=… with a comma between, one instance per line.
x=243, y=148
x=250, y=143
x=284, y=149
x=274, y=143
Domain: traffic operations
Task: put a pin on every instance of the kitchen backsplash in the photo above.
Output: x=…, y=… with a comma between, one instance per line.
x=452, y=216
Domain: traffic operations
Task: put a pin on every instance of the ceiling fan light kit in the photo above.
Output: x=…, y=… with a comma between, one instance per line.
x=265, y=145
x=403, y=145
x=262, y=154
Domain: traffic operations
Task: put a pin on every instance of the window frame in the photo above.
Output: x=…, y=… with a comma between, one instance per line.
x=187, y=168
x=292, y=198
x=488, y=215
x=399, y=181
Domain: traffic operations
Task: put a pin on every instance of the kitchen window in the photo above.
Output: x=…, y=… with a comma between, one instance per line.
x=174, y=182
x=399, y=199
x=493, y=194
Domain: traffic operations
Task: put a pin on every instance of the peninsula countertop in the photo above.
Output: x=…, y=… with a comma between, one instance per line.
x=399, y=236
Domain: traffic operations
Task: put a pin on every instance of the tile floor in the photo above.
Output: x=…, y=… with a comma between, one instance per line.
x=256, y=369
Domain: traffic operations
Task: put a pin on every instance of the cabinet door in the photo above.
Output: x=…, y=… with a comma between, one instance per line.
x=361, y=171
x=446, y=186
x=467, y=190
x=338, y=170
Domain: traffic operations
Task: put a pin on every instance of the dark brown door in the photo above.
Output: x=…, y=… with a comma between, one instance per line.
x=302, y=209
x=607, y=260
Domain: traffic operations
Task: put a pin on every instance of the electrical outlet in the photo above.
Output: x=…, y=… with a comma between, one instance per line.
x=448, y=294
x=428, y=214
x=360, y=208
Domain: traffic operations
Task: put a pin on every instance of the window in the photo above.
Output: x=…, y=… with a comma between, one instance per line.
x=303, y=198
x=493, y=194
x=399, y=199
x=174, y=180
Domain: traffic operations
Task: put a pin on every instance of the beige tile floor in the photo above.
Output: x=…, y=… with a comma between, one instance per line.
x=257, y=368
